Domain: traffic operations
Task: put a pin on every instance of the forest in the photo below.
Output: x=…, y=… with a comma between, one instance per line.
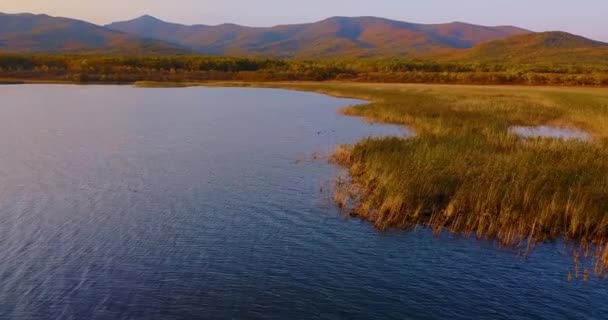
x=87, y=68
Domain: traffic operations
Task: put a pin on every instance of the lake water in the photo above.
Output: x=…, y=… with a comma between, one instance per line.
x=551, y=132
x=125, y=203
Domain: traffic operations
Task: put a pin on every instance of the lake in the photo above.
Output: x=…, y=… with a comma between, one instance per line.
x=126, y=203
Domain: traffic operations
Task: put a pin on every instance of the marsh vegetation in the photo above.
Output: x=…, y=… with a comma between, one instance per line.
x=466, y=172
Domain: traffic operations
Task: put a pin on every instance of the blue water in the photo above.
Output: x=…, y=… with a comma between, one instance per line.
x=126, y=203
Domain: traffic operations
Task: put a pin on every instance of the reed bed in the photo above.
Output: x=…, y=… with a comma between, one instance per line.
x=466, y=173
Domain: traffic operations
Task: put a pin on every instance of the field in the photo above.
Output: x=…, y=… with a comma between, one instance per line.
x=466, y=173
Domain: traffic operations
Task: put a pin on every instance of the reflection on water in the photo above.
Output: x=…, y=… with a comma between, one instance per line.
x=124, y=203
x=550, y=132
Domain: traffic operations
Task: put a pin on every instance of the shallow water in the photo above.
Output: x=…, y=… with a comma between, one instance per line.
x=125, y=203
x=551, y=132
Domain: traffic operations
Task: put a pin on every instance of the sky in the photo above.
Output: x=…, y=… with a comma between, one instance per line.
x=584, y=17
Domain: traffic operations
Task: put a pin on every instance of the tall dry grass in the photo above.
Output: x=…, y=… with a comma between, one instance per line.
x=465, y=172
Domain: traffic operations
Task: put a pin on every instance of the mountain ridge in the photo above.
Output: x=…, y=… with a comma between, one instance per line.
x=366, y=35
x=26, y=32
x=541, y=47
x=339, y=36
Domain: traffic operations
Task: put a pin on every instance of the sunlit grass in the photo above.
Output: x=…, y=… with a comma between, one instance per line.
x=465, y=172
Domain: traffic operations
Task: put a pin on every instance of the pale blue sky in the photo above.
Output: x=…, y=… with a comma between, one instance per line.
x=585, y=17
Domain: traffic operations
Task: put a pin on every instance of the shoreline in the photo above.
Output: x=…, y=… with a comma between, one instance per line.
x=392, y=211
x=281, y=84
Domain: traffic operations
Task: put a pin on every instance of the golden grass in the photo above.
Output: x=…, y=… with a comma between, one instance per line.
x=465, y=172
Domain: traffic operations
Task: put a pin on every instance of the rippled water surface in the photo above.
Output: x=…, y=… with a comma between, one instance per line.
x=125, y=203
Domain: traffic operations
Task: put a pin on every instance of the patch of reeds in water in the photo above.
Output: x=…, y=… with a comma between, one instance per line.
x=466, y=173
x=487, y=206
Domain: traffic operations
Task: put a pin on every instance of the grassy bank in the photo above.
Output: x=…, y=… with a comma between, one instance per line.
x=8, y=82
x=466, y=173
x=156, y=84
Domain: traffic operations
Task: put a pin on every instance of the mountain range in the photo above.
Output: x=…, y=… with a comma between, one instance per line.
x=332, y=37
x=360, y=36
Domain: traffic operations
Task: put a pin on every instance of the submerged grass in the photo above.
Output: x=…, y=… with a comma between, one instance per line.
x=465, y=172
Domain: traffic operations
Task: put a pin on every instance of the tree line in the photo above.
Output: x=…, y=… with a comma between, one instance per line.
x=126, y=69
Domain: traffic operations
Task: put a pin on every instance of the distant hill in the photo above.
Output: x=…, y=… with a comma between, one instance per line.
x=333, y=37
x=544, y=47
x=43, y=33
x=343, y=36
